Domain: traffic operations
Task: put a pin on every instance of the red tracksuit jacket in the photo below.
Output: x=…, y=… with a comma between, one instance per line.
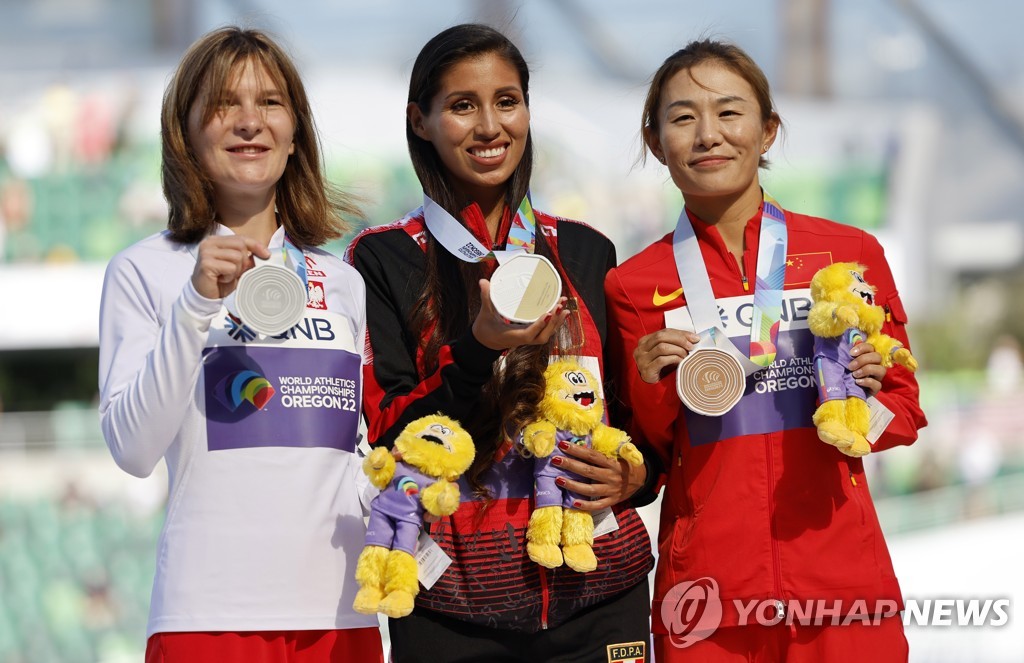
x=754, y=499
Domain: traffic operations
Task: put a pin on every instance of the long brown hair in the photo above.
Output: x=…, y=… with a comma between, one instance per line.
x=450, y=297
x=310, y=209
x=697, y=52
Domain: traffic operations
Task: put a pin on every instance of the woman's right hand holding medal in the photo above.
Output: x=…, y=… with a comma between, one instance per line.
x=492, y=331
x=662, y=350
x=221, y=262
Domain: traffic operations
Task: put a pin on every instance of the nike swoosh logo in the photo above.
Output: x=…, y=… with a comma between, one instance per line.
x=660, y=299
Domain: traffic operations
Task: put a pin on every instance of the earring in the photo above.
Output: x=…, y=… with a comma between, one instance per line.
x=764, y=149
x=662, y=160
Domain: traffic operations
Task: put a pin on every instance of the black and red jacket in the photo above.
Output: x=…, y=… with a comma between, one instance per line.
x=491, y=581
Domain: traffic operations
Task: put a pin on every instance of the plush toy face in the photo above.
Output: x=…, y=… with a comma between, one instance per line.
x=860, y=288
x=843, y=283
x=575, y=386
x=438, y=446
x=571, y=391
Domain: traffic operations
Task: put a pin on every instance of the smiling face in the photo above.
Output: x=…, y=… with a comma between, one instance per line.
x=710, y=133
x=479, y=123
x=244, y=147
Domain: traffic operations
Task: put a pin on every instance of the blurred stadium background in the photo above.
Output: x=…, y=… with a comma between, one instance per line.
x=905, y=117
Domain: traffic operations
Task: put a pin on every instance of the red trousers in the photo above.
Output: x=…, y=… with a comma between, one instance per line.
x=856, y=642
x=338, y=646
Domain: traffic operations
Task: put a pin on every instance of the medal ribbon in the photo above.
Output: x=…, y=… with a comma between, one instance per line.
x=771, y=274
x=293, y=258
x=458, y=241
x=523, y=232
x=768, y=283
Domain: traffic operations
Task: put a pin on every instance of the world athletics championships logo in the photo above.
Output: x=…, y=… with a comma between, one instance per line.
x=244, y=387
x=691, y=611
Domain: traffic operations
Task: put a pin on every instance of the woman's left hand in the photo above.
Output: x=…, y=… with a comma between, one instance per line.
x=867, y=368
x=612, y=480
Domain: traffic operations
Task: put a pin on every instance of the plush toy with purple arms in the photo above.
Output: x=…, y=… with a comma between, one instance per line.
x=843, y=315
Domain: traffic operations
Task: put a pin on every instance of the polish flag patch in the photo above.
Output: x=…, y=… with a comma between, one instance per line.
x=315, y=296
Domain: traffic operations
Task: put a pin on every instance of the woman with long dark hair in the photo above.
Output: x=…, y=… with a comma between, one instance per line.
x=438, y=345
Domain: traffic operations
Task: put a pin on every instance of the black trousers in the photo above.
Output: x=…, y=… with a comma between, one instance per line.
x=429, y=637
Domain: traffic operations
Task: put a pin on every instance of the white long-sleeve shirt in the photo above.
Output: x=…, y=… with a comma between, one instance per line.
x=263, y=522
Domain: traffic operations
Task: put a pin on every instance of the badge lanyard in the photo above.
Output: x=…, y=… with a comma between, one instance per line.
x=768, y=284
x=457, y=240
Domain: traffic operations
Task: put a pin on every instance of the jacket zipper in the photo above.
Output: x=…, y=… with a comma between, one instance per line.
x=544, y=598
x=857, y=498
x=780, y=606
x=776, y=567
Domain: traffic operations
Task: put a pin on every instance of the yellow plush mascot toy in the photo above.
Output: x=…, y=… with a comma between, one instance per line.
x=417, y=475
x=844, y=314
x=570, y=411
